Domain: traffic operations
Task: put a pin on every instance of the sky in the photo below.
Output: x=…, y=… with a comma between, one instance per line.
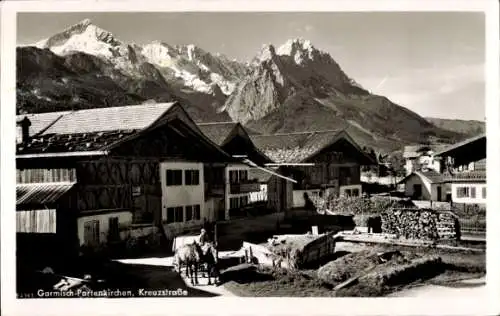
x=430, y=62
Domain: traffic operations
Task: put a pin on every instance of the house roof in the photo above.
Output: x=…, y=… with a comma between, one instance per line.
x=41, y=193
x=462, y=145
x=299, y=146
x=260, y=175
x=41, y=121
x=218, y=132
x=101, y=128
x=221, y=133
x=414, y=151
x=430, y=175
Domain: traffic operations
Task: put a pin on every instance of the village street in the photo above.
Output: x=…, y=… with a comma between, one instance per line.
x=167, y=262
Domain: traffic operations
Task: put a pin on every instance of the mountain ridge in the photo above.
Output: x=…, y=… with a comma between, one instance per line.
x=286, y=88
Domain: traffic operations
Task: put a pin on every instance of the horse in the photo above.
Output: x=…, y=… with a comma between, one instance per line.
x=190, y=255
x=209, y=259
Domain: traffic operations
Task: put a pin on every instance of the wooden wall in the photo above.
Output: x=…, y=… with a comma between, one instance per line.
x=46, y=175
x=113, y=183
x=36, y=221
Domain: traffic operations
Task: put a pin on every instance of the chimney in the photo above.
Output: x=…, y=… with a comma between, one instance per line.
x=23, y=132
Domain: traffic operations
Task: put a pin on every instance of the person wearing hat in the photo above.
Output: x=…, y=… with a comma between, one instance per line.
x=203, y=238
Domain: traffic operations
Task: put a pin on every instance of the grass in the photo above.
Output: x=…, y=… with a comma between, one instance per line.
x=456, y=265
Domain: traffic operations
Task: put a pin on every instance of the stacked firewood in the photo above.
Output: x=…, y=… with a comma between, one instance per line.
x=411, y=223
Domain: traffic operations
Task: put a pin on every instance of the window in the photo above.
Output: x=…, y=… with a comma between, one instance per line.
x=113, y=232
x=91, y=232
x=473, y=192
x=174, y=177
x=196, y=212
x=347, y=192
x=189, y=213
x=233, y=176
x=484, y=192
x=192, y=177
x=175, y=214
x=355, y=192
x=170, y=215
x=417, y=190
x=243, y=175
x=243, y=200
x=234, y=203
x=463, y=192
x=179, y=214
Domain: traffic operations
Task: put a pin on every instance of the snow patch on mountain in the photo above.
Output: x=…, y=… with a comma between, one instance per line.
x=299, y=49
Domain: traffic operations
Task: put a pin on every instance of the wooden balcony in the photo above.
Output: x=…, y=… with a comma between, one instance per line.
x=244, y=187
x=214, y=190
x=477, y=175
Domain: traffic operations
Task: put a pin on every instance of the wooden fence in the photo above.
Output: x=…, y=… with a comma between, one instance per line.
x=472, y=226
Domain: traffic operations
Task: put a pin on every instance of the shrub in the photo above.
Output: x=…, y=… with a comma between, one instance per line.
x=361, y=205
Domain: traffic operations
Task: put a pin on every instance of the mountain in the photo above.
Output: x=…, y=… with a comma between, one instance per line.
x=68, y=63
x=292, y=87
x=297, y=87
x=467, y=127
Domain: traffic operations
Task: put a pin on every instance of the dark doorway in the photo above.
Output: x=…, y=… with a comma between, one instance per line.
x=417, y=191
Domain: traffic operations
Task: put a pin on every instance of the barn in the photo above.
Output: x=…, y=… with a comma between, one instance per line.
x=100, y=170
x=319, y=161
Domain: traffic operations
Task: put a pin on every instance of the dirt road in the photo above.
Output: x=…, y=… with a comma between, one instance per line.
x=168, y=262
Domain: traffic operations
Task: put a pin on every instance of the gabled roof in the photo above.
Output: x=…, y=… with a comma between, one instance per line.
x=218, y=132
x=105, y=128
x=430, y=175
x=260, y=175
x=462, y=145
x=130, y=117
x=300, y=146
x=221, y=133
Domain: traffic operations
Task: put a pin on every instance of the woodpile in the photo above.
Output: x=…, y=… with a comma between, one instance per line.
x=423, y=224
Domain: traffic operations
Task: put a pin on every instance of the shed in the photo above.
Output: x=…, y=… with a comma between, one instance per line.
x=425, y=185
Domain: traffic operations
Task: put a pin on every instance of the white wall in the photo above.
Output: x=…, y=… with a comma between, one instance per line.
x=182, y=195
x=298, y=197
x=342, y=189
x=429, y=190
x=426, y=187
x=124, y=219
x=468, y=200
x=424, y=160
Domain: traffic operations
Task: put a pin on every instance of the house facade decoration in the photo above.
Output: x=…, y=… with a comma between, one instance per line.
x=129, y=164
